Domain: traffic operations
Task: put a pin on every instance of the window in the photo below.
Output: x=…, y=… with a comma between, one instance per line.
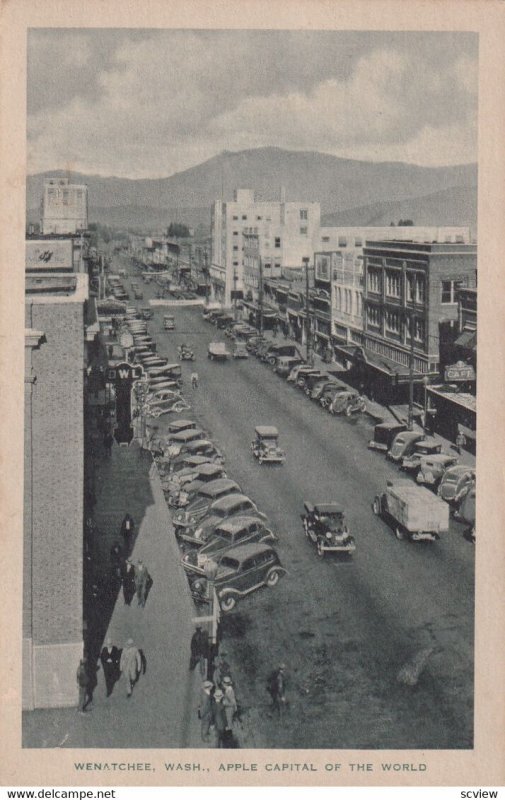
x=449, y=289
x=267, y=265
x=235, y=217
x=373, y=316
x=235, y=263
x=326, y=238
x=419, y=330
x=235, y=246
x=277, y=241
x=244, y=216
x=258, y=218
x=393, y=283
x=411, y=288
x=235, y=233
x=420, y=290
x=392, y=322
x=374, y=281
x=342, y=241
x=277, y=264
x=304, y=214
x=303, y=230
x=358, y=241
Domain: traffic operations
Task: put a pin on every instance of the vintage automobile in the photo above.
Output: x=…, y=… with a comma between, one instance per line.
x=432, y=468
x=275, y=351
x=240, y=350
x=384, y=434
x=200, y=505
x=285, y=364
x=178, y=425
x=236, y=531
x=325, y=385
x=146, y=312
x=347, y=403
x=247, y=568
x=166, y=390
x=188, y=482
x=455, y=483
x=299, y=371
x=306, y=374
x=188, y=460
x=182, y=438
x=412, y=511
x=404, y=444
x=465, y=512
x=217, y=351
x=152, y=362
x=213, y=314
x=265, y=446
x=325, y=526
x=171, y=372
x=328, y=395
x=255, y=342
x=157, y=408
x=429, y=446
x=168, y=322
x=138, y=293
x=185, y=353
x=313, y=380
x=225, y=508
x=200, y=447
x=224, y=321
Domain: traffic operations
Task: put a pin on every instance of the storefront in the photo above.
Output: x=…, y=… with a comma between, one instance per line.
x=453, y=411
x=376, y=376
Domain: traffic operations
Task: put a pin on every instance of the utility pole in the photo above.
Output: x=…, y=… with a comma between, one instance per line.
x=260, y=297
x=308, y=331
x=410, y=423
x=207, y=276
x=235, y=276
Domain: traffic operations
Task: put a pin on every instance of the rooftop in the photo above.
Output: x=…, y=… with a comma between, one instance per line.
x=52, y=287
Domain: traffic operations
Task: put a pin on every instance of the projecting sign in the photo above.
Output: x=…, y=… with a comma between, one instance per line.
x=48, y=254
x=459, y=372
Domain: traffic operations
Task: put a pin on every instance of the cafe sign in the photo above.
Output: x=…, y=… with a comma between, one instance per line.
x=46, y=255
x=459, y=372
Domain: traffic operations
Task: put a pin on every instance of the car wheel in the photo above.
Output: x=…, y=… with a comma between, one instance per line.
x=348, y=411
x=320, y=551
x=376, y=506
x=228, y=603
x=323, y=402
x=399, y=534
x=273, y=578
x=260, y=460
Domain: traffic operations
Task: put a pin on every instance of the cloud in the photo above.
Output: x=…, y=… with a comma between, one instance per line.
x=143, y=104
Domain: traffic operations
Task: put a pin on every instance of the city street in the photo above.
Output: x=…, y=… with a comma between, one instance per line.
x=344, y=627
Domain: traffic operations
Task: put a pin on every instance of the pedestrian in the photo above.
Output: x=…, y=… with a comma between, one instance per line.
x=206, y=709
x=143, y=581
x=110, y=658
x=229, y=701
x=199, y=650
x=194, y=380
x=460, y=441
x=127, y=532
x=83, y=683
x=274, y=330
x=220, y=718
x=221, y=670
x=276, y=687
x=128, y=581
x=116, y=555
x=108, y=441
x=130, y=665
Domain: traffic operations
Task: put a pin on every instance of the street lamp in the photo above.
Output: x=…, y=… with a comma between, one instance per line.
x=308, y=331
x=410, y=422
x=425, y=400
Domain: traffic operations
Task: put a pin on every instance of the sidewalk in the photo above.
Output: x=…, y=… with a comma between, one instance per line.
x=374, y=410
x=162, y=711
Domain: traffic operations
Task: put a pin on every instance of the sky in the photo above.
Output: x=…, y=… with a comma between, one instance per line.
x=150, y=103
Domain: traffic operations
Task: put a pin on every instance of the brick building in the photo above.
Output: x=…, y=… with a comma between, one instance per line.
x=64, y=207
x=55, y=351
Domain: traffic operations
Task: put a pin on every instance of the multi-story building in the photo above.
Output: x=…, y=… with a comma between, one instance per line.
x=410, y=289
x=64, y=207
x=287, y=233
x=55, y=360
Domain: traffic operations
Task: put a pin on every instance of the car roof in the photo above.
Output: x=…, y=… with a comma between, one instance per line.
x=194, y=460
x=328, y=508
x=230, y=500
x=210, y=468
x=390, y=425
x=243, y=551
x=459, y=469
x=217, y=486
x=429, y=441
x=198, y=442
x=237, y=523
x=180, y=424
x=439, y=458
x=182, y=436
x=266, y=430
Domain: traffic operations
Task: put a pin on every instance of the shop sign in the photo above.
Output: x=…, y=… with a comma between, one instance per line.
x=48, y=254
x=459, y=372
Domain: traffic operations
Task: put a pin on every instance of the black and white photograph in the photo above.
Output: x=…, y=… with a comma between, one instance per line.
x=249, y=469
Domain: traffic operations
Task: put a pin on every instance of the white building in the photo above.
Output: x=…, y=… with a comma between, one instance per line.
x=287, y=232
x=64, y=207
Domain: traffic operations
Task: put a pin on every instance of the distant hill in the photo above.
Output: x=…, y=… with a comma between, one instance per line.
x=454, y=206
x=337, y=183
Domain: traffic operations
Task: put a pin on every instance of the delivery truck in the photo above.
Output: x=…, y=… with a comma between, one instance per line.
x=412, y=511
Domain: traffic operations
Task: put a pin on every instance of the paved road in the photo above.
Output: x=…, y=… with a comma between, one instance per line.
x=343, y=627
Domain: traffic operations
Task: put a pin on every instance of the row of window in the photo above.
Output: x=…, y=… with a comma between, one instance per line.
x=304, y=214
x=415, y=286
x=393, y=323
x=348, y=301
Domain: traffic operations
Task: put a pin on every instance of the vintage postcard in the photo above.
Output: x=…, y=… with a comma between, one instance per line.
x=253, y=488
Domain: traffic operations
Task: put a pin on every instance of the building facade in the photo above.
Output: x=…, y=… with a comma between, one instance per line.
x=55, y=351
x=64, y=207
x=287, y=233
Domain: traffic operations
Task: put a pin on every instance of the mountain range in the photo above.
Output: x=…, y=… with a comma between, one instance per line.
x=350, y=190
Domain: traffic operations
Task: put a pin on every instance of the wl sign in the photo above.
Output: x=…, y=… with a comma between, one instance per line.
x=123, y=375
x=459, y=372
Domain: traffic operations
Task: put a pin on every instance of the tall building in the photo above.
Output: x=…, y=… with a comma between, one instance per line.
x=55, y=359
x=64, y=207
x=287, y=232
x=410, y=289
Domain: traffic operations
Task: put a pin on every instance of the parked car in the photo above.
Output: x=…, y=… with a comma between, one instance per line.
x=255, y=342
x=224, y=321
x=347, y=403
x=285, y=364
x=240, y=350
x=220, y=510
x=323, y=385
x=182, y=438
x=299, y=372
x=465, y=511
x=328, y=395
x=312, y=380
x=188, y=482
x=147, y=312
x=183, y=461
x=169, y=322
x=265, y=445
x=275, y=351
x=413, y=511
x=213, y=314
x=242, y=571
x=326, y=527
x=178, y=425
x=159, y=407
x=217, y=351
x=165, y=390
x=231, y=534
x=204, y=447
x=202, y=502
x=138, y=293
x=432, y=468
x=455, y=483
x=384, y=434
x=429, y=446
x=404, y=444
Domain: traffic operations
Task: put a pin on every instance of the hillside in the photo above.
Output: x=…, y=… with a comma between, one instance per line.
x=338, y=184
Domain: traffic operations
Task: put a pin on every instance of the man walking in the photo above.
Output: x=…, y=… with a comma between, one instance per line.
x=130, y=665
x=229, y=702
x=206, y=709
x=142, y=582
x=127, y=532
x=108, y=441
x=199, y=650
x=276, y=687
x=219, y=718
x=194, y=380
x=110, y=657
x=128, y=581
x=83, y=683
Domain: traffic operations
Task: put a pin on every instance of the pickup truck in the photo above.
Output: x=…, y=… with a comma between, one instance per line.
x=412, y=511
x=217, y=351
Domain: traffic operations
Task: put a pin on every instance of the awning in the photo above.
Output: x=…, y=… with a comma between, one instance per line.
x=467, y=339
x=376, y=362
